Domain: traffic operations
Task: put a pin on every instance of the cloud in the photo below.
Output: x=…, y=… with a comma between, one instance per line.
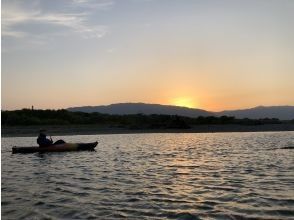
x=93, y=4
x=76, y=22
x=74, y=18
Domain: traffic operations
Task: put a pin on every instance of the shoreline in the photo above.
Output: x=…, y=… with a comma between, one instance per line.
x=64, y=130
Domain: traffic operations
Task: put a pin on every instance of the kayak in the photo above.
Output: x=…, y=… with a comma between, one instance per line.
x=56, y=148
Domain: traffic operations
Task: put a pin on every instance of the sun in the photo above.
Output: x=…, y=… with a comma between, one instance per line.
x=183, y=102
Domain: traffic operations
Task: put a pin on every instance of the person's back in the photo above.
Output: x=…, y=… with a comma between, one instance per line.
x=43, y=141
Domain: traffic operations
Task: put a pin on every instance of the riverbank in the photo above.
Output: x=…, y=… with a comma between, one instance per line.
x=31, y=131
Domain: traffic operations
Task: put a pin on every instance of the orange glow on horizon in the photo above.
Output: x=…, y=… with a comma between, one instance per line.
x=184, y=102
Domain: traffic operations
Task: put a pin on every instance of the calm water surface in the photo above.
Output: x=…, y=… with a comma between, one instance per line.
x=153, y=176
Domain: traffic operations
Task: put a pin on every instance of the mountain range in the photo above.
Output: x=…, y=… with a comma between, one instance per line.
x=280, y=112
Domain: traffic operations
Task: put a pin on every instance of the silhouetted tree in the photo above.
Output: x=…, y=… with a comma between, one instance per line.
x=136, y=121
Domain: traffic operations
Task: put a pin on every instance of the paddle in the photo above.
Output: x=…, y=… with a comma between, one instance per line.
x=51, y=138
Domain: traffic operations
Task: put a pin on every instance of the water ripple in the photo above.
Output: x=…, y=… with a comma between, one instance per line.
x=153, y=176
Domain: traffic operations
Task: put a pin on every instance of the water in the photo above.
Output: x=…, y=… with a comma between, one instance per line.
x=153, y=176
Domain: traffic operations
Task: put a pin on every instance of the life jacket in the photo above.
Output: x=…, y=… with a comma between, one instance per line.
x=43, y=141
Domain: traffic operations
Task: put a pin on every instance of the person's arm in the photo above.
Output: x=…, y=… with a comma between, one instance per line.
x=48, y=142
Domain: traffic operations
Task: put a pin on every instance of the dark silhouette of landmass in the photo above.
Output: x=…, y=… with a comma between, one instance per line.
x=280, y=112
x=141, y=118
x=64, y=117
x=27, y=122
x=142, y=108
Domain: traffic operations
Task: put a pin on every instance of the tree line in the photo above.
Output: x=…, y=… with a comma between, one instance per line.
x=27, y=117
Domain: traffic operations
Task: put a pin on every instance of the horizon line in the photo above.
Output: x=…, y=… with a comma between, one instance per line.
x=93, y=106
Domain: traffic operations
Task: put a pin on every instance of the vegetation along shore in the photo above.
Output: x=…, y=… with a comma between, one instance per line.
x=27, y=122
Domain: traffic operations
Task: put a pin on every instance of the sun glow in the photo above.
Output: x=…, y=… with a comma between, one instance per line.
x=183, y=102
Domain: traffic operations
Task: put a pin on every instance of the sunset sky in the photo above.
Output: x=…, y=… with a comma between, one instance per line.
x=207, y=54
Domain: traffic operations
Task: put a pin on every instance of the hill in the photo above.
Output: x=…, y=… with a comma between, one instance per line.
x=280, y=112
x=142, y=108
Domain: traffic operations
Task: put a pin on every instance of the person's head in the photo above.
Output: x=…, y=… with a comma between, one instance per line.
x=42, y=132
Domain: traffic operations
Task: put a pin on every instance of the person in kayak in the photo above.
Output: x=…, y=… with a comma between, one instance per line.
x=43, y=141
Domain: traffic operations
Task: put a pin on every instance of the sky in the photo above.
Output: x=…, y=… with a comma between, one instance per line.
x=209, y=54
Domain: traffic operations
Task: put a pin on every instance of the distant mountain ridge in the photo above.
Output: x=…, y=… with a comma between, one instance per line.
x=280, y=112
x=142, y=108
